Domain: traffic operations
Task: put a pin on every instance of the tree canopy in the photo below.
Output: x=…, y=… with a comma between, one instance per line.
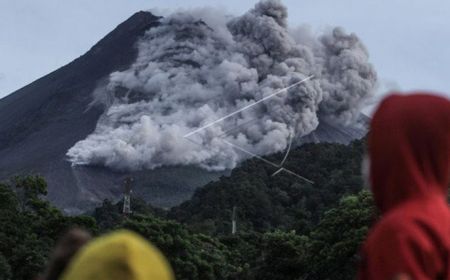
x=287, y=229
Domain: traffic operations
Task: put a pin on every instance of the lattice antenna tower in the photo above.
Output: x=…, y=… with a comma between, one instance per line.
x=233, y=221
x=127, y=196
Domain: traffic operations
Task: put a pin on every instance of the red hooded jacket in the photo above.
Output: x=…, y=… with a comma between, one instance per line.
x=409, y=148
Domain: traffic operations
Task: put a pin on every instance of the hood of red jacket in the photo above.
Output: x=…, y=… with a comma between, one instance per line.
x=409, y=148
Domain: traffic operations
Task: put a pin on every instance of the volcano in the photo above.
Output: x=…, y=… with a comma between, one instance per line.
x=40, y=122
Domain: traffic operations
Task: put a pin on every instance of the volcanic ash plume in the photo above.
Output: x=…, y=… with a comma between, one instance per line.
x=195, y=68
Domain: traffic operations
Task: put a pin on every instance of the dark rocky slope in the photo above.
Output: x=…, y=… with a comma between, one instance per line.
x=41, y=121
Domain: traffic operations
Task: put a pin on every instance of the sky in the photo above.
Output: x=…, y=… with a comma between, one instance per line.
x=408, y=40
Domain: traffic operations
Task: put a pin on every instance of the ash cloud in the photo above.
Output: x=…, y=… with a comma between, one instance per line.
x=197, y=67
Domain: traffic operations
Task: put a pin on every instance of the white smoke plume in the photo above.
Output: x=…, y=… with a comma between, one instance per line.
x=197, y=67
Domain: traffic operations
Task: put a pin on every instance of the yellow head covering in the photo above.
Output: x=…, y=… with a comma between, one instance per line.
x=119, y=255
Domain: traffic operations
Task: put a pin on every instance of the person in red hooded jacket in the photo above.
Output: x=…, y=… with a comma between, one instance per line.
x=409, y=154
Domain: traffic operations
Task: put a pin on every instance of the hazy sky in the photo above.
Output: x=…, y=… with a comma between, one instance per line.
x=408, y=40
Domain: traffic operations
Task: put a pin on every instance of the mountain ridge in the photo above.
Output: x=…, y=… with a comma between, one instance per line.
x=41, y=121
x=58, y=101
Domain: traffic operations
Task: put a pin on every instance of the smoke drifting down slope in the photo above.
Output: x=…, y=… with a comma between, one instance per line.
x=196, y=68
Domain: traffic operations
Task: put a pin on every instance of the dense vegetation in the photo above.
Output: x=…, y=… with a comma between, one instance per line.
x=283, y=201
x=287, y=229
x=29, y=227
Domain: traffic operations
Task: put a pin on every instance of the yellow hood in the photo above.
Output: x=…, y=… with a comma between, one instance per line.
x=119, y=255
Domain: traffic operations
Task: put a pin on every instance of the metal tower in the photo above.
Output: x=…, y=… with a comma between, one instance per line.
x=127, y=196
x=233, y=221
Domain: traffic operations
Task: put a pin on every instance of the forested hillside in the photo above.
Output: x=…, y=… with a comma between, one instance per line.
x=287, y=229
x=266, y=202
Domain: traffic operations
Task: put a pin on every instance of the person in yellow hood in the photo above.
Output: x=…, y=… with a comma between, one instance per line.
x=119, y=255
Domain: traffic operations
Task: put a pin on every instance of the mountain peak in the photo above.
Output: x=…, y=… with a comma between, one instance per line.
x=42, y=121
x=128, y=30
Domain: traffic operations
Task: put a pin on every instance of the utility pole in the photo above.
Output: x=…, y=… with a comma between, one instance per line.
x=233, y=221
x=127, y=196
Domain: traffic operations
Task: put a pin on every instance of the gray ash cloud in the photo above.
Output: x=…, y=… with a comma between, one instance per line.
x=197, y=67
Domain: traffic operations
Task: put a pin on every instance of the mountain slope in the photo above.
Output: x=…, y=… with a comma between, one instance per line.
x=40, y=122
x=265, y=202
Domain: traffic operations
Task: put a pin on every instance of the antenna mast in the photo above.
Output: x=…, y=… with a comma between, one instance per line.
x=233, y=221
x=127, y=196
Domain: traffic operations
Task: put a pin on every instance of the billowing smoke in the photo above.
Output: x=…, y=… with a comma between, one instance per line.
x=196, y=68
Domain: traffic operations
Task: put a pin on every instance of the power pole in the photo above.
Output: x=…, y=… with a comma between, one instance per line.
x=127, y=196
x=233, y=221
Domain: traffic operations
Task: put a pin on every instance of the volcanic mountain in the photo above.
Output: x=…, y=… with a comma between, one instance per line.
x=42, y=121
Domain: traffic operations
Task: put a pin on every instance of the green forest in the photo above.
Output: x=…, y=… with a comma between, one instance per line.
x=286, y=228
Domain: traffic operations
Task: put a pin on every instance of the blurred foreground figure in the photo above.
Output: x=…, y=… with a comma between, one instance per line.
x=409, y=150
x=120, y=255
x=64, y=250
